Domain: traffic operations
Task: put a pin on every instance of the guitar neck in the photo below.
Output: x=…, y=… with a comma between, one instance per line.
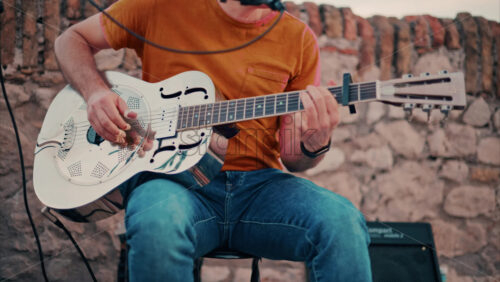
x=225, y=112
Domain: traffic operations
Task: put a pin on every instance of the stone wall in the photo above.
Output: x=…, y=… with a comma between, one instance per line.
x=392, y=169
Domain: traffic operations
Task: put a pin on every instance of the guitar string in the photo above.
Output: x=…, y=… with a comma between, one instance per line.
x=236, y=109
x=239, y=111
x=353, y=90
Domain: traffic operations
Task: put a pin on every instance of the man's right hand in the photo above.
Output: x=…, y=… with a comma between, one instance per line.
x=105, y=112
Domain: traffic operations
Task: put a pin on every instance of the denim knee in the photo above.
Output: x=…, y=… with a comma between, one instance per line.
x=341, y=221
x=159, y=215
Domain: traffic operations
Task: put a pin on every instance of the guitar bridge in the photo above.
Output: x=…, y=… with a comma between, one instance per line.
x=69, y=134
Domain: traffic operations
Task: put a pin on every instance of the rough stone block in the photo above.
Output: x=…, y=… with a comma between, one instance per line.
x=456, y=171
x=332, y=161
x=470, y=201
x=384, y=32
x=52, y=23
x=468, y=28
x=332, y=19
x=485, y=174
x=314, y=18
x=454, y=141
x=433, y=62
x=438, y=32
x=376, y=111
x=350, y=26
x=478, y=113
x=452, y=37
x=8, y=32
x=378, y=158
x=73, y=9
x=30, y=44
x=131, y=60
x=367, y=47
x=408, y=192
x=293, y=9
x=488, y=151
x=403, y=45
x=495, y=30
x=496, y=120
x=486, y=39
x=90, y=10
x=452, y=240
x=420, y=29
x=402, y=137
x=109, y=59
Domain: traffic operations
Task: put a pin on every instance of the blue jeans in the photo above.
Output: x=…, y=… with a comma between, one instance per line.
x=266, y=213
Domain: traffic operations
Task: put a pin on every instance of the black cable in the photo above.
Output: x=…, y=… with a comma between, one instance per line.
x=192, y=52
x=59, y=224
x=20, y=150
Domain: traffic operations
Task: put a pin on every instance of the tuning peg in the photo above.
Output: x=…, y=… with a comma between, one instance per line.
x=424, y=74
x=427, y=109
x=445, y=109
x=408, y=109
x=443, y=72
x=407, y=75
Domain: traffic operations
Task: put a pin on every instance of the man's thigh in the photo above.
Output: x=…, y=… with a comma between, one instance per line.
x=169, y=215
x=291, y=218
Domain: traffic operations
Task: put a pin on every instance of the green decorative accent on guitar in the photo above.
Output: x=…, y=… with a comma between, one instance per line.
x=171, y=160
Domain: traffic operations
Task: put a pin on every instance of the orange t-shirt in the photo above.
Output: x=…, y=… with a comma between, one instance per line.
x=286, y=59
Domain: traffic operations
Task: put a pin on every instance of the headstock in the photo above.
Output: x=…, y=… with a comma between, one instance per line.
x=444, y=91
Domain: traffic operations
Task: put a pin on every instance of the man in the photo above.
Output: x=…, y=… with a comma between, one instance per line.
x=251, y=206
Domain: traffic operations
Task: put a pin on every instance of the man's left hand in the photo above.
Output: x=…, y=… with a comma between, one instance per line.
x=320, y=118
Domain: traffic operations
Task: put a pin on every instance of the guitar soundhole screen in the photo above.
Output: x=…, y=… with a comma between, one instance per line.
x=99, y=170
x=133, y=103
x=62, y=154
x=122, y=155
x=75, y=169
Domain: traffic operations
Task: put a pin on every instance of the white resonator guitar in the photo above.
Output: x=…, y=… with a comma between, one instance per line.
x=76, y=171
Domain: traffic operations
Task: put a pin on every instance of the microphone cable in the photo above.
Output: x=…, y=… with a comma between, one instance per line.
x=23, y=172
x=192, y=52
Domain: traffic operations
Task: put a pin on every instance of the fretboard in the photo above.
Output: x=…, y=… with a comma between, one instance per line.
x=224, y=112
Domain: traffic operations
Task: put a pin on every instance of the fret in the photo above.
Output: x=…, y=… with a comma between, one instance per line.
x=223, y=111
x=208, y=116
x=281, y=103
x=259, y=107
x=190, y=116
x=249, y=107
x=203, y=112
x=231, y=111
x=185, y=114
x=196, y=116
x=359, y=92
x=179, y=118
x=353, y=92
x=216, y=113
x=270, y=105
x=240, y=109
x=293, y=101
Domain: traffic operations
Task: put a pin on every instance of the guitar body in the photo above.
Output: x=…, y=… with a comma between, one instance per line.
x=76, y=171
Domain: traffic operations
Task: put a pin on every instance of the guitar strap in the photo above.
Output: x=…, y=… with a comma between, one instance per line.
x=226, y=130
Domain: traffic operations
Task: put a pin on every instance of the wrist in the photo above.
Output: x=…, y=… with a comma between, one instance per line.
x=317, y=153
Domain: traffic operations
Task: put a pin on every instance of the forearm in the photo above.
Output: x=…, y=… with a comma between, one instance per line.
x=76, y=60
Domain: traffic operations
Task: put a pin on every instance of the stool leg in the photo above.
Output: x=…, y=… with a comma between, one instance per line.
x=197, y=269
x=255, y=270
